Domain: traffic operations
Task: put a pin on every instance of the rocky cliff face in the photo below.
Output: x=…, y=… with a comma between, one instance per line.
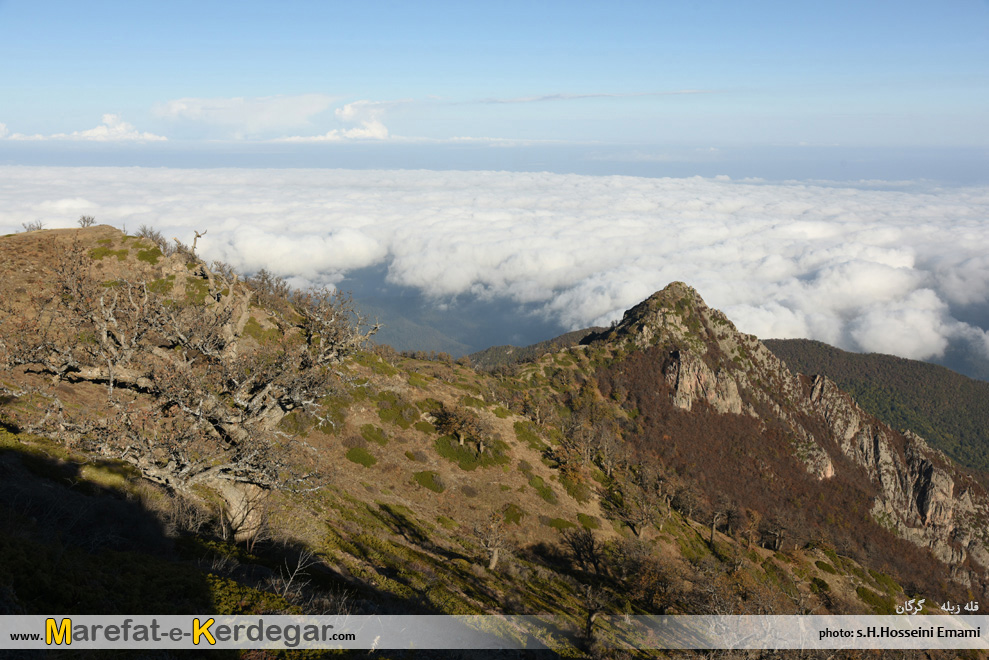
x=921, y=495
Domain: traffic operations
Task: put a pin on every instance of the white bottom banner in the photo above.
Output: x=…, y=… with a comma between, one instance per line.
x=492, y=632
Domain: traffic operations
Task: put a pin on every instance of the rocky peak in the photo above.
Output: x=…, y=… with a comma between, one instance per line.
x=706, y=359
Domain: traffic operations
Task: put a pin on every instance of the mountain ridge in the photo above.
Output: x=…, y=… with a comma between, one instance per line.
x=669, y=464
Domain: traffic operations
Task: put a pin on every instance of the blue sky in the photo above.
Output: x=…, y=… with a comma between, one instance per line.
x=656, y=75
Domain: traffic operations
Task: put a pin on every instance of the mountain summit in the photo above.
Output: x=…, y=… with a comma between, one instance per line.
x=701, y=362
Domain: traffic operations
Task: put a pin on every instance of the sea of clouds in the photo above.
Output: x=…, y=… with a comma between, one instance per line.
x=899, y=268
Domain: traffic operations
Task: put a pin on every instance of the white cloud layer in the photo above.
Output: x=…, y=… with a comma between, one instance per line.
x=892, y=269
x=113, y=129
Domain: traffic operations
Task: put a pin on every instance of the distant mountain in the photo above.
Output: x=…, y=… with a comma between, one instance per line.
x=948, y=409
x=496, y=356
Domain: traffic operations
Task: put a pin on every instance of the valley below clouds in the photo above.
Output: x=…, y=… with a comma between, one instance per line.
x=900, y=268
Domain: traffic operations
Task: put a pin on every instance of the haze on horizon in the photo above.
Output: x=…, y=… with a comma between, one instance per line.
x=461, y=158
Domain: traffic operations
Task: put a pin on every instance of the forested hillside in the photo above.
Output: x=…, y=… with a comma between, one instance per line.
x=949, y=410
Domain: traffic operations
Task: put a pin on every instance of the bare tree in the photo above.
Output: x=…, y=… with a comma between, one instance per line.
x=191, y=400
x=492, y=538
x=86, y=221
x=585, y=548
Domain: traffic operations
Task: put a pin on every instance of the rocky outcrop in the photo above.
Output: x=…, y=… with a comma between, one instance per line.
x=916, y=483
x=708, y=360
x=691, y=380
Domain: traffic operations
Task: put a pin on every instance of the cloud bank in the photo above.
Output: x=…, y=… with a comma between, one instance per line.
x=112, y=129
x=899, y=269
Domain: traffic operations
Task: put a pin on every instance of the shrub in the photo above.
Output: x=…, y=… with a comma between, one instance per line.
x=543, y=489
x=879, y=604
x=150, y=256
x=513, y=513
x=425, y=427
x=103, y=251
x=431, y=480
x=588, y=522
x=557, y=523
x=361, y=456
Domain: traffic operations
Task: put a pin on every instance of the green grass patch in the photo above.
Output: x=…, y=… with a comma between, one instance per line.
x=557, y=523
x=196, y=290
x=361, y=456
x=373, y=433
x=429, y=405
x=544, y=490
x=254, y=330
x=513, y=513
x=817, y=586
x=588, y=522
x=334, y=413
x=826, y=567
x=392, y=409
x=447, y=523
x=469, y=387
x=150, y=256
x=97, y=254
x=473, y=402
x=879, y=603
x=886, y=582
x=692, y=547
x=418, y=380
x=231, y=597
x=375, y=363
x=431, y=480
x=296, y=423
x=501, y=412
x=777, y=576
x=424, y=426
x=162, y=286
